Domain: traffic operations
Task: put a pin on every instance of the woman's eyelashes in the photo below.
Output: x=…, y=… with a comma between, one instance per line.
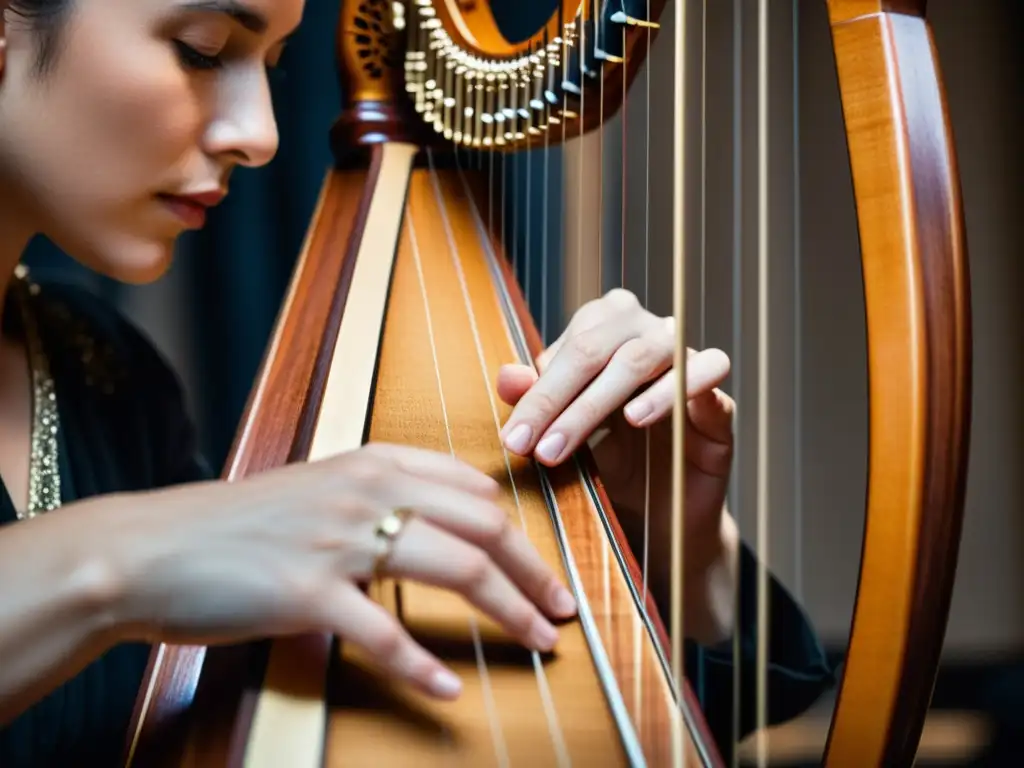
x=194, y=59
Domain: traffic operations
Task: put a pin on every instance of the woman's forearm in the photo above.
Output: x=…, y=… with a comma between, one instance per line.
x=57, y=603
x=711, y=575
x=710, y=571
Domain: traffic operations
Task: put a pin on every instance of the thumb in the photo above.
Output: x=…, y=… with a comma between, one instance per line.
x=514, y=381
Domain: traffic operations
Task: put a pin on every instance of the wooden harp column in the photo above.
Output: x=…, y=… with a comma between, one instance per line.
x=400, y=311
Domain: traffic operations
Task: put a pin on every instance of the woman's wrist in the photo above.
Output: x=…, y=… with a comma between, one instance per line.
x=102, y=567
x=710, y=581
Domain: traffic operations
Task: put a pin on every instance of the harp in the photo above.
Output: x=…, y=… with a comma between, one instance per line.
x=403, y=304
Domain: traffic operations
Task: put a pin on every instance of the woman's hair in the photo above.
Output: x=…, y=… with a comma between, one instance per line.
x=46, y=17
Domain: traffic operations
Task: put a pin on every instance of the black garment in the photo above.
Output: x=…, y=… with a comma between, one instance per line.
x=798, y=670
x=124, y=426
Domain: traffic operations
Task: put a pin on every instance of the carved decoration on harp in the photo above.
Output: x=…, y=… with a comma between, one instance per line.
x=472, y=87
x=370, y=47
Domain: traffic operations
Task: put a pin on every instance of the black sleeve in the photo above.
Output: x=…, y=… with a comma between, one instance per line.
x=182, y=460
x=798, y=671
x=149, y=415
x=178, y=458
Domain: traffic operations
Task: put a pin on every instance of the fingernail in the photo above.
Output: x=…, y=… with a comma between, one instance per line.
x=564, y=603
x=551, y=447
x=519, y=438
x=444, y=683
x=544, y=635
x=638, y=410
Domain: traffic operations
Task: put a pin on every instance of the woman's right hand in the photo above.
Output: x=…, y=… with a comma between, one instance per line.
x=282, y=553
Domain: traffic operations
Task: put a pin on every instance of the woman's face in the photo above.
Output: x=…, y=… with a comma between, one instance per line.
x=134, y=129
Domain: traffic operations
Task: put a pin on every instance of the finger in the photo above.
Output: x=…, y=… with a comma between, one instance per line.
x=609, y=308
x=430, y=555
x=440, y=468
x=468, y=516
x=514, y=381
x=711, y=414
x=635, y=363
x=545, y=357
x=587, y=316
x=488, y=526
x=580, y=359
x=711, y=457
x=512, y=551
x=358, y=620
x=704, y=371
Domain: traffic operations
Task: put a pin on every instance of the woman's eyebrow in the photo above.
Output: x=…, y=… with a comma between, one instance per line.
x=238, y=10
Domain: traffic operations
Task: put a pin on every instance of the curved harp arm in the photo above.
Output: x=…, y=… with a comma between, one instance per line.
x=917, y=293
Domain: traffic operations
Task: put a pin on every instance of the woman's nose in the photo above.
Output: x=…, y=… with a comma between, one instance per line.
x=244, y=125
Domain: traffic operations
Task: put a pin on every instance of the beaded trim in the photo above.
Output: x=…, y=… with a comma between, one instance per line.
x=44, y=472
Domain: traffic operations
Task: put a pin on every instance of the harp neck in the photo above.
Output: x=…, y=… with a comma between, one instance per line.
x=441, y=72
x=374, y=108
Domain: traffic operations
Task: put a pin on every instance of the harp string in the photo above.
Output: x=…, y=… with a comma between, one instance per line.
x=606, y=566
x=677, y=589
x=527, y=273
x=763, y=378
x=798, y=483
x=702, y=338
x=523, y=265
x=494, y=722
x=625, y=182
x=545, y=233
x=702, y=341
x=647, y=261
x=737, y=331
x=638, y=627
x=580, y=259
x=554, y=727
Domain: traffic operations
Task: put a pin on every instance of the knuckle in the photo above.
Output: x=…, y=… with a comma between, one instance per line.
x=543, y=403
x=379, y=452
x=368, y=472
x=720, y=456
x=642, y=356
x=586, y=349
x=622, y=299
x=472, y=570
x=494, y=527
x=306, y=592
x=521, y=615
x=388, y=642
x=727, y=404
x=586, y=309
x=586, y=411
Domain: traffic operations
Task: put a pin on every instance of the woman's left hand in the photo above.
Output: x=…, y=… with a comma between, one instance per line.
x=609, y=376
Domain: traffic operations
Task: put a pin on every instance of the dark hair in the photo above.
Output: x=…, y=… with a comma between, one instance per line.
x=47, y=18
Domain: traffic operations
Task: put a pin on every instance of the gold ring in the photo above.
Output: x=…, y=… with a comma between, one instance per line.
x=386, y=532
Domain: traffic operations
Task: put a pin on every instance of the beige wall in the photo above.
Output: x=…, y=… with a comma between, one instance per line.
x=818, y=411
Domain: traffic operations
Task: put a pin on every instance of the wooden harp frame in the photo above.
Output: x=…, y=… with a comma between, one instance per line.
x=263, y=704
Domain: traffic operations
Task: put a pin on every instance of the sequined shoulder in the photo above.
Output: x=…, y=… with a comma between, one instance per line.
x=115, y=386
x=84, y=337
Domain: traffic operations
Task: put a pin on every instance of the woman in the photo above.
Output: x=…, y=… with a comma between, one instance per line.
x=120, y=122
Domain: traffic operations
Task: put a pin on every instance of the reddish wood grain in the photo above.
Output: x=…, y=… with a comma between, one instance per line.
x=189, y=695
